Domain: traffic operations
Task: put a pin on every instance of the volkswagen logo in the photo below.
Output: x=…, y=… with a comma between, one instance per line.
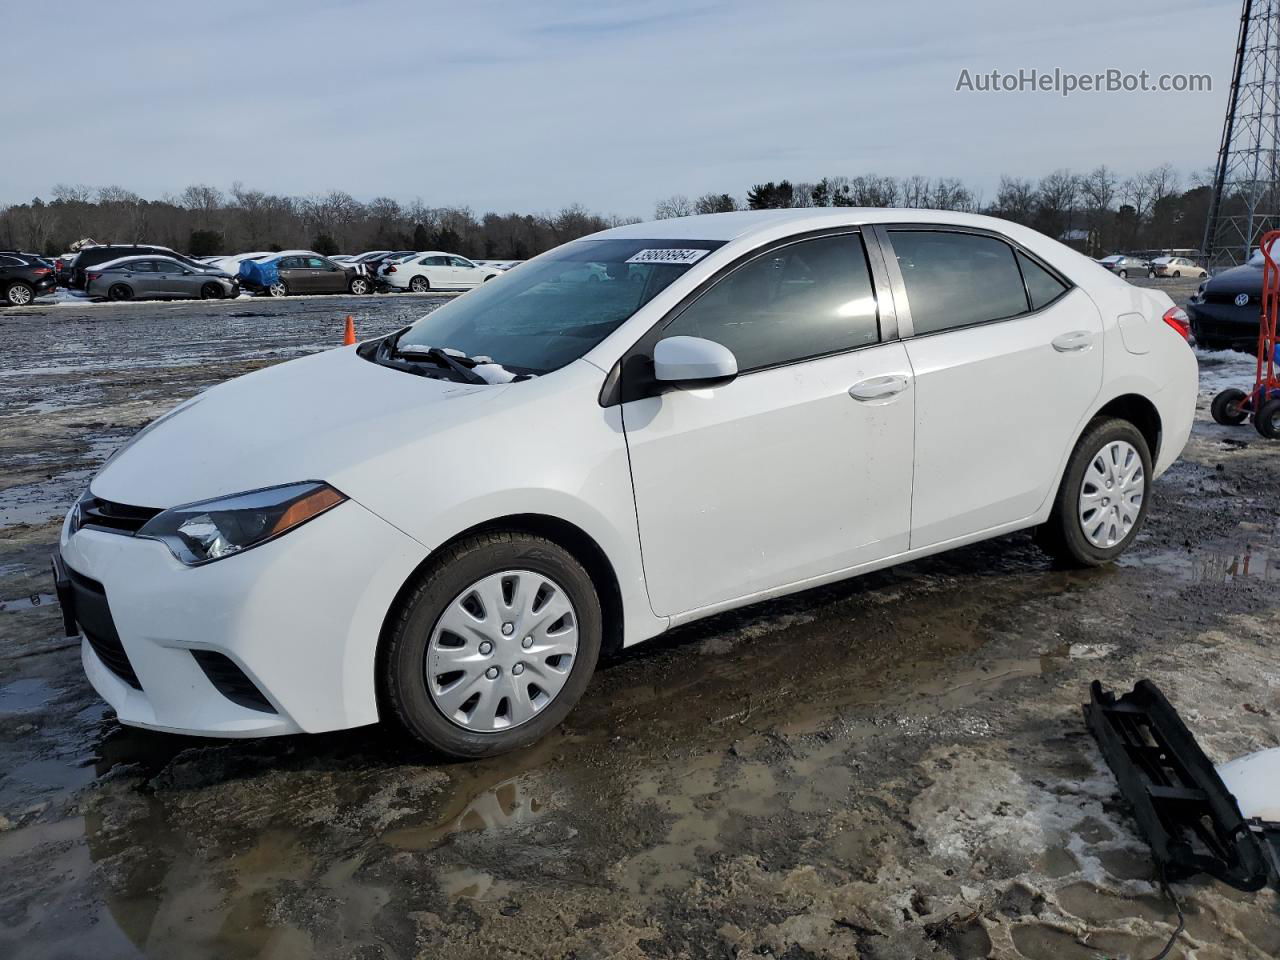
x=1242, y=299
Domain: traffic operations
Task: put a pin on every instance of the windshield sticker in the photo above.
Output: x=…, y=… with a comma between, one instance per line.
x=668, y=255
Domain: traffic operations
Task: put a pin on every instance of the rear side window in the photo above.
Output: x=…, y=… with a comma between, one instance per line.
x=802, y=300
x=957, y=279
x=141, y=266
x=12, y=262
x=1042, y=286
x=433, y=262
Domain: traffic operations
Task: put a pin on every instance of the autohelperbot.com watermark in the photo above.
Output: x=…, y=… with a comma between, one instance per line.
x=1065, y=83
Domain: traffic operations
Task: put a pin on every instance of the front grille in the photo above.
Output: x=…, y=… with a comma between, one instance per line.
x=108, y=515
x=1228, y=298
x=231, y=681
x=94, y=616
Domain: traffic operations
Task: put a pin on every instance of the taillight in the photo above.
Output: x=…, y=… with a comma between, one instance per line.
x=1176, y=317
x=93, y=276
x=391, y=268
x=41, y=271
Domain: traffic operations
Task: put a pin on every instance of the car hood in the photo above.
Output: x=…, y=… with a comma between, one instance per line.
x=1244, y=279
x=331, y=416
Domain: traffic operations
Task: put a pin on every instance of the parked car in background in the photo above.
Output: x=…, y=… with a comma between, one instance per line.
x=1124, y=266
x=159, y=278
x=435, y=270
x=93, y=256
x=374, y=261
x=62, y=267
x=281, y=275
x=1225, y=310
x=503, y=265
x=25, y=276
x=1178, y=267
x=456, y=546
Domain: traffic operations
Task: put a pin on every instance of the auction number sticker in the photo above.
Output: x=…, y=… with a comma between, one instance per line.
x=668, y=255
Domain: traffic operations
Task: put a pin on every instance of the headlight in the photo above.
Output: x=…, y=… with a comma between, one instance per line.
x=207, y=531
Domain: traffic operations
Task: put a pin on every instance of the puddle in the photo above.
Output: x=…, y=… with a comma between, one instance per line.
x=21, y=696
x=28, y=603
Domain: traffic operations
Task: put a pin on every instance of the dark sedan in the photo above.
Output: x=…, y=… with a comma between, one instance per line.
x=1224, y=311
x=306, y=273
x=23, y=277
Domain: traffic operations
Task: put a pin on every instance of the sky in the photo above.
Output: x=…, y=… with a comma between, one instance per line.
x=615, y=105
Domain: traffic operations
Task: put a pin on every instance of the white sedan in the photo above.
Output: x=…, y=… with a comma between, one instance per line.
x=781, y=399
x=435, y=270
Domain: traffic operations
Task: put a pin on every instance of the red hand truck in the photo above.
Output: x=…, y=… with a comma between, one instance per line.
x=1261, y=404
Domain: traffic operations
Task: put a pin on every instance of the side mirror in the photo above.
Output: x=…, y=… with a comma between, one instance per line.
x=188, y=273
x=693, y=360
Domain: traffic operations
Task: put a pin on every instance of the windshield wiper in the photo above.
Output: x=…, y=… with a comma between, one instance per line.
x=442, y=357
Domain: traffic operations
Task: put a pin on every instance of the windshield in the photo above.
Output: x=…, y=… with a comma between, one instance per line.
x=1257, y=259
x=553, y=310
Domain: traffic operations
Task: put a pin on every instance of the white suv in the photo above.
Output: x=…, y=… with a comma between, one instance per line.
x=448, y=525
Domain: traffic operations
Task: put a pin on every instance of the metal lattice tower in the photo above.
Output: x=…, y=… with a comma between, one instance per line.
x=1246, y=188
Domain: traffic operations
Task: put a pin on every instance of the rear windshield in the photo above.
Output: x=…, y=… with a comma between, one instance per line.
x=551, y=311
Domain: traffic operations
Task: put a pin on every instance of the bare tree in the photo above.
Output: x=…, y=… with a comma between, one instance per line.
x=1055, y=202
x=204, y=201
x=715, y=203
x=677, y=205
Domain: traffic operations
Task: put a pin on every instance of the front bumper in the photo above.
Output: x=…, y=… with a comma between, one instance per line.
x=1223, y=322
x=280, y=639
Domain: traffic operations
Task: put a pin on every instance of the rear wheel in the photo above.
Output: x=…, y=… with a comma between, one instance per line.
x=19, y=294
x=1267, y=420
x=419, y=285
x=1123, y=274
x=1229, y=407
x=1102, y=501
x=1151, y=274
x=278, y=289
x=493, y=646
x=120, y=291
x=359, y=286
x=211, y=291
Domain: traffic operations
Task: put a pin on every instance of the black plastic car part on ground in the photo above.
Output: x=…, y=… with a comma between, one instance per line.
x=23, y=277
x=1224, y=312
x=1183, y=809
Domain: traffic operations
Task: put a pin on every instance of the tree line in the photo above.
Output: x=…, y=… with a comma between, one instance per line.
x=204, y=221
x=1098, y=212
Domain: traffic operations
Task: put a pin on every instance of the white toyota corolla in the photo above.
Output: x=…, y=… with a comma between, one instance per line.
x=448, y=525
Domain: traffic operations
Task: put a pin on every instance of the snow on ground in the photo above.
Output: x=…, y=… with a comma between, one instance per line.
x=1220, y=369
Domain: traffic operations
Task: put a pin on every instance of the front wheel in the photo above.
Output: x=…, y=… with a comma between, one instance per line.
x=359, y=286
x=19, y=294
x=1102, y=501
x=419, y=285
x=278, y=289
x=1124, y=274
x=1151, y=274
x=493, y=646
x=120, y=292
x=1229, y=407
x=211, y=291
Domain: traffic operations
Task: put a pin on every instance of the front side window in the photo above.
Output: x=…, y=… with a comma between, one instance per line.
x=805, y=299
x=957, y=279
x=556, y=308
x=459, y=262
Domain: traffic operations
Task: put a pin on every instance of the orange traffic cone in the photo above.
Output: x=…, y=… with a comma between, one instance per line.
x=349, y=337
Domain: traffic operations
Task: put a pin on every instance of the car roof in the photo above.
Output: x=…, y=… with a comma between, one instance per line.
x=129, y=259
x=743, y=223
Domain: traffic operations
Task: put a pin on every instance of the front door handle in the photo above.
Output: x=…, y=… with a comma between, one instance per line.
x=879, y=388
x=1074, y=341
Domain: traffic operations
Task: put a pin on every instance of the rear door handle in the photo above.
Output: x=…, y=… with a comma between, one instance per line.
x=1074, y=341
x=879, y=388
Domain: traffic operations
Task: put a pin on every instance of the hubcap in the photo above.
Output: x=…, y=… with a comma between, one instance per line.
x=277, y=289
x=502, y=651
x=19, y=296
x=1111, y=494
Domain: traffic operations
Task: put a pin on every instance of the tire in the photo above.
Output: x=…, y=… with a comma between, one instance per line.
x=406, y=672
x=1151, y=274
x=211, y=291
x=278, y=289
x=19, y=294
x=359, y=286
x=1203, y=274
x=1267, y=420
x=1177, y=274
x=1228, y=407
x=419, y=285
x=120, y=291
x=1123, y=274
x=1070, y=534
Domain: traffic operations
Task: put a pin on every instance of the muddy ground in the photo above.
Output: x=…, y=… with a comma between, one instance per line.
x=893, y=767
